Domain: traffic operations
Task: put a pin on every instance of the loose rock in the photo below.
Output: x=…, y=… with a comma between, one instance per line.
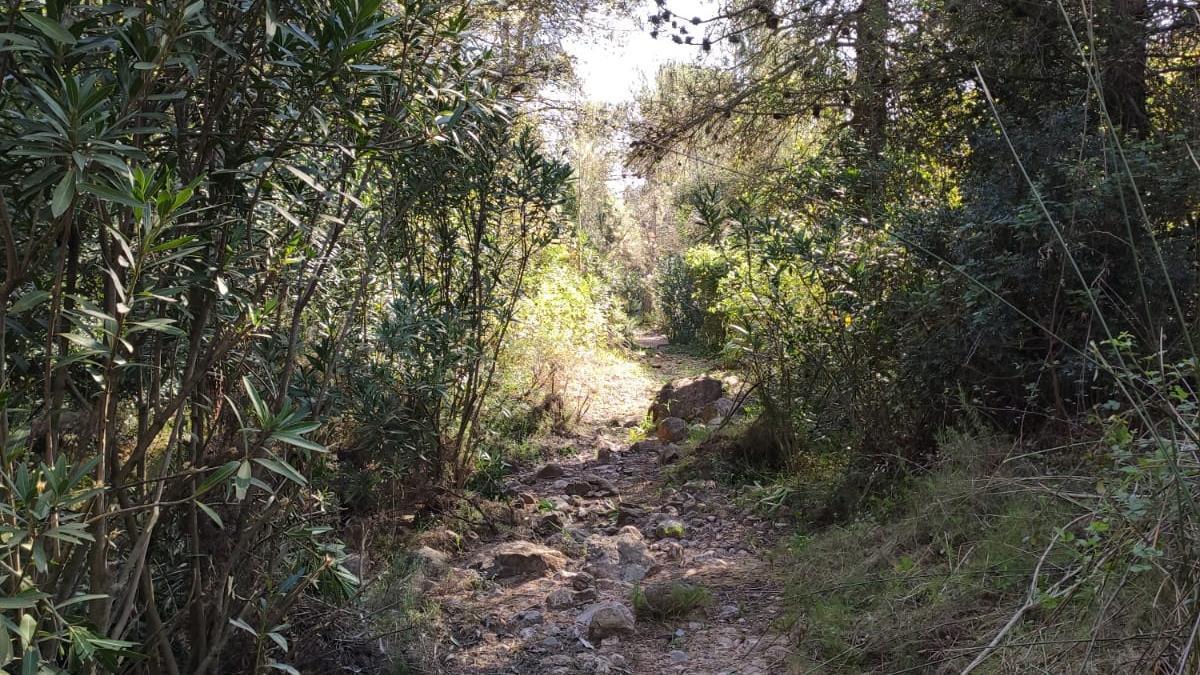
x=606, y=619
x=672, y=429
x=560, y=599
x=550, y=472
x=435, y=562
x=522, y=558
x=582, y=581
x=548, y=524
x=669, y=454
x=718, y=409
x=630, y=514
x=594, y=486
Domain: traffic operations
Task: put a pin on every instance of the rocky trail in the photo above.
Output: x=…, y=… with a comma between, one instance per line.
x=609, y=566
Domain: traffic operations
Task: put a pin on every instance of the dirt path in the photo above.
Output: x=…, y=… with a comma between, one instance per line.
x=518, y=602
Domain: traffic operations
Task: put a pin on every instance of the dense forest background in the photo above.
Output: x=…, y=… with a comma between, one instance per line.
x=281, y=274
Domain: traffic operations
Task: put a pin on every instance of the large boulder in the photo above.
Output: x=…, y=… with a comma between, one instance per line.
x=686, y=398
x=606, y=619
x=523, y=558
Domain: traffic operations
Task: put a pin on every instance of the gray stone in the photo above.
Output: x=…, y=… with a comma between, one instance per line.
x=530, y=617
x=634, y=573
x=630, y=514
x=717, y=410
x=593, y=486
x=434, y=561
x=677, y=656
x=560, y=599
x=607, y=619
x=631, y=548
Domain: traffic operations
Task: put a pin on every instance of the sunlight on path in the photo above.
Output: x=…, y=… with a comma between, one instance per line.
x=592, y=531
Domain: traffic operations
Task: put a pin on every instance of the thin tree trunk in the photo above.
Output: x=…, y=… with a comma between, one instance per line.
x=1124, y=67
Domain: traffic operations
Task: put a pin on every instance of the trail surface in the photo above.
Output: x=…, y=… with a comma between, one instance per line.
x=583, y=537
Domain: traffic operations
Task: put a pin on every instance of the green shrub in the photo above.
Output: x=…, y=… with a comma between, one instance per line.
x=689, y=297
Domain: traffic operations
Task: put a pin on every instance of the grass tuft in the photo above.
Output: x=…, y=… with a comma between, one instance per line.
x=669, y=601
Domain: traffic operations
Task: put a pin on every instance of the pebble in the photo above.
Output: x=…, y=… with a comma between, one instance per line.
x=678, y=656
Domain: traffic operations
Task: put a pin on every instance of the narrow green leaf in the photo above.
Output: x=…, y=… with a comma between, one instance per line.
x=217, y=477
x=6, y=653
x=242, y=482
x=64, y=194
x=50, y=28
x=110, y=194
x=312, y=182
x=28, y=301
x=208, y=511
x=23, y=600
x=80, y=598
x=282, y=468
x=298, y=441
x=260, y=408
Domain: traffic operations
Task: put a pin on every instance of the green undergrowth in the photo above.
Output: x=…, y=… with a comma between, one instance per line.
x=403, y=619
x=929, y=574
